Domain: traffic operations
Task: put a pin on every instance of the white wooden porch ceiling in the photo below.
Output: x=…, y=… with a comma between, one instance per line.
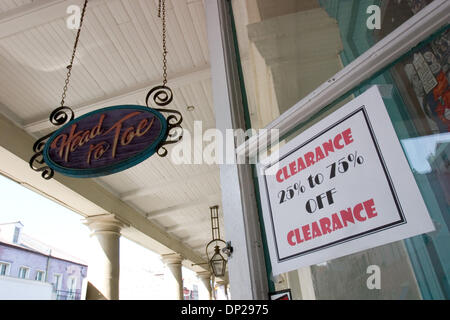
x=118, y=61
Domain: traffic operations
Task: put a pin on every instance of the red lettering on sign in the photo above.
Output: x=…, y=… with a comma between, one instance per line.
x=357, y=212
x=326, y=225
x=347, y=216
x=320, y=152
x=309, y=159
x=305, y=230
x=328, y=147
x=369, y=206
x=315, y=230
x=347, y=134
x=278, y=176
x=297, y=236
x=293, y=168
x=336, y=222
x=290, y=237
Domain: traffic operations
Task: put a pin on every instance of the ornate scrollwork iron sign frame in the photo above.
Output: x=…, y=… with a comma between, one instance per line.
x=46, y=161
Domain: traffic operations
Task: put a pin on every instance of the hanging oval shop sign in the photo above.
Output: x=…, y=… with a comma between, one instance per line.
x=106, y=141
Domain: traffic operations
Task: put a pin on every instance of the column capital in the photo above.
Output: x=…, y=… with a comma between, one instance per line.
x=205, y=278
x=105, y=223
x=204, y=275
x=174, y=273
x=172, y=258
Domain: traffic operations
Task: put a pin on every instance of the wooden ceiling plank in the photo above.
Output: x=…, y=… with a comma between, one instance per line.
x=186, y=24
x=206, y=200
x=110, y=26
x=150, y=43
x=36, y=13
x=147, y=64
x=197, y=11
x=13, y=83
x=88, y=85
x=142, y=192
x=112, y=60
x=123, y=96
x=15, y=49
x=149, y=10
x=61, y=35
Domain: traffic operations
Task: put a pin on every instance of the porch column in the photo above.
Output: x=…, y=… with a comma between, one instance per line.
x=205, y=278
x=224, y=285
x=104, y=269
x=174, y=276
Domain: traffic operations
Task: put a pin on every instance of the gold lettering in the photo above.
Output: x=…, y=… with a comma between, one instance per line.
x=64, y=147
x=127, y=136
x=54, y=144
x=142, y=125
x=76, y=141
x=97, y=130
x=67, y=143
x=84, y=138
x=98, y=150
x=118, y=127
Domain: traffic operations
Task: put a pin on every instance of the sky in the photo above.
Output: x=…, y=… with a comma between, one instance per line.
x=418, y=149
x=141, y=271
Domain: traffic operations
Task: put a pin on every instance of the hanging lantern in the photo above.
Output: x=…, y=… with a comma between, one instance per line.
x=217, y=262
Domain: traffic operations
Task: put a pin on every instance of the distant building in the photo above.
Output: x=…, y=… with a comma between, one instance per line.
x=30, y=269
x=190, y=294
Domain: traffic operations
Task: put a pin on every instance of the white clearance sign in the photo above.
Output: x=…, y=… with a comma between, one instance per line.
x=342, y=186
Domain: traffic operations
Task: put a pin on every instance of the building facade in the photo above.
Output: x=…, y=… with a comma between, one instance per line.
x=35, y=264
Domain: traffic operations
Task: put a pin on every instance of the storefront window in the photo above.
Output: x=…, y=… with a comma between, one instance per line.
x=287, y=49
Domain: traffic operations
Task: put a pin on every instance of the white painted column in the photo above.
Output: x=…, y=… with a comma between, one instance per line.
x=246, y=267
x=174, y=275
x=306, y=283
x=224, y=287
x=293, y=282
x=104, y=268
x=205, y=293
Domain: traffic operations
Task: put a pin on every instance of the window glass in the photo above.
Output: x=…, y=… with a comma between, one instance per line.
x=72, y=288
x=72, y=284
x=16, y=235
x=419, y=109
x=57, y=281
x=39, y=276
x=288, y=48
x=4, y=269
x=418, y=267
x=284, y=58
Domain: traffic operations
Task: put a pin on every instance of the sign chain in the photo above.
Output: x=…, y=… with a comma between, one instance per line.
x=162, y=15
x=69, y=67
